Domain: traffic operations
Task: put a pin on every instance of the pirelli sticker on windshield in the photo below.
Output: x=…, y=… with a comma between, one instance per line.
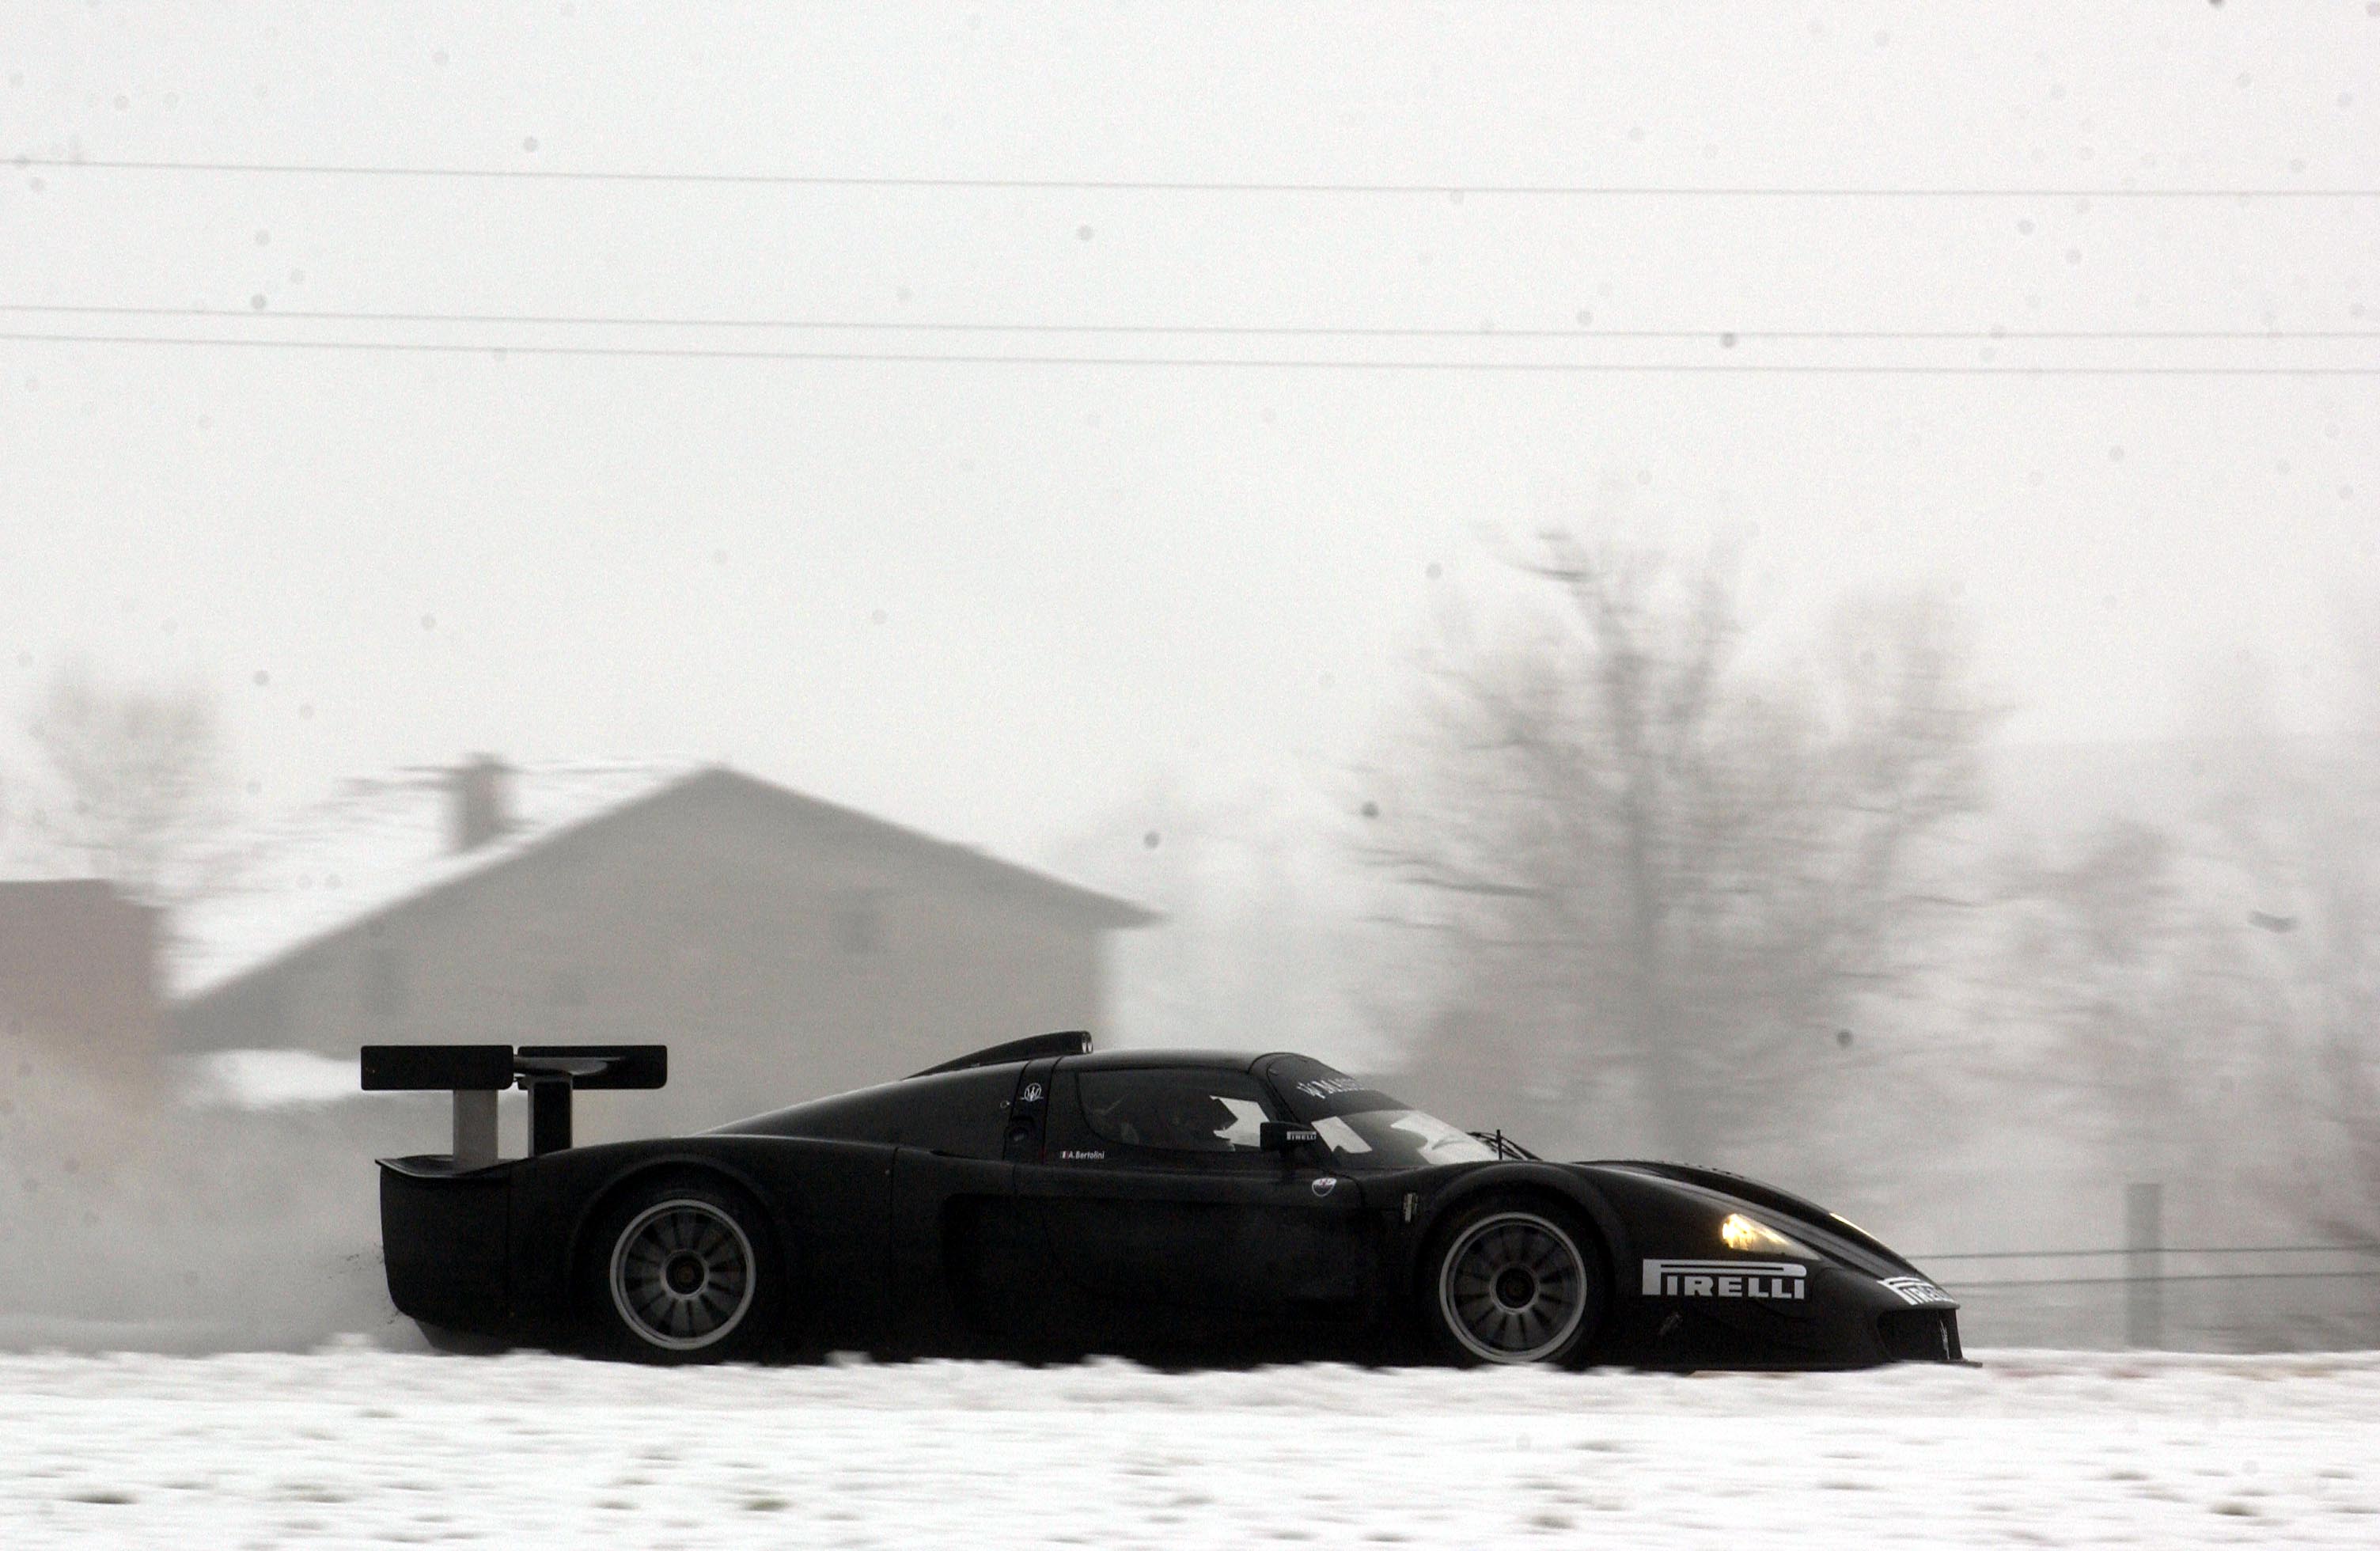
x=1780, y=1280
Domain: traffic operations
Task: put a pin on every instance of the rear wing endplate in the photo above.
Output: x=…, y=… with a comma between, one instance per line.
x=476, y=1073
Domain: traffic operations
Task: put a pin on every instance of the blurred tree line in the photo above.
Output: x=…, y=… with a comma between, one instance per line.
x=122, y=781
x=2202, y=1000
x=1635, y=878
x=1748, y=912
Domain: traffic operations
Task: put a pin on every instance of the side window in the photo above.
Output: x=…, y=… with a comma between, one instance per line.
x=1175, y=1109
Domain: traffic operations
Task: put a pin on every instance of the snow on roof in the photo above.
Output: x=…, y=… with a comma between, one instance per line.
x=378, y=843
x=384, y=841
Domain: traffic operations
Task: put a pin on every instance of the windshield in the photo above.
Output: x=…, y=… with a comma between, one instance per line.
x=1364, y=1128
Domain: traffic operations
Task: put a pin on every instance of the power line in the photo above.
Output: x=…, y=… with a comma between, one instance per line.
x=1317, y=331
x=1190, y=186
x=1192, y=362
x=1965, y=1288
x=2160, y=1249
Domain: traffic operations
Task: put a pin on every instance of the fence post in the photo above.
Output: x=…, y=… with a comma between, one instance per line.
x=2144, y=1263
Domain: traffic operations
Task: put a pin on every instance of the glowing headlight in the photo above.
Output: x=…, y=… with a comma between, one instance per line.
x=1750, y=1236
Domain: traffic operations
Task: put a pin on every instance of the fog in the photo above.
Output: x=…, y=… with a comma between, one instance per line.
x=1796, y=593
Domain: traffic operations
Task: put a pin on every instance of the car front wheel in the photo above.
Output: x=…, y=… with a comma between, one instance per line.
x=1515, y=1281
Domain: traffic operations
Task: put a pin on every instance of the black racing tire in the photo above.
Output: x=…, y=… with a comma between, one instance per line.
x=683, y=1269
x=1515, y=1279
x=461, y=1343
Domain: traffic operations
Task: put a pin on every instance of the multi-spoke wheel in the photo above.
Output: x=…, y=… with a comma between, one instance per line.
x=1512, y=1283
x=684, y=1275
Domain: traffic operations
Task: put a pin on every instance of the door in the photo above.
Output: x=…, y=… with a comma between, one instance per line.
x=1170, y=1222
x=971, y=1262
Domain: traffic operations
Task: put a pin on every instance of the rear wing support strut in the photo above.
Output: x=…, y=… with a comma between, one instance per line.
x=476, y=1073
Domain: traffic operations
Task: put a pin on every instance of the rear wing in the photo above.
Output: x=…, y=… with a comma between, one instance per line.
x=476, y=1073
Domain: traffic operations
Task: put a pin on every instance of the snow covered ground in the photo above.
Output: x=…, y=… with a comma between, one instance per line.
x=364, y=1446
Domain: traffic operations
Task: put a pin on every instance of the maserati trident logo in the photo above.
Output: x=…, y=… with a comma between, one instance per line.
x=1324, y=1186
x=1780, y=1280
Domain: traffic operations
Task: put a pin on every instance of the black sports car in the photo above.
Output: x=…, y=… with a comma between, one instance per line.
x=1037, y=1200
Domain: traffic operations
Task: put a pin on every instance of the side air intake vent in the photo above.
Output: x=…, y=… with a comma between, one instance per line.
x=1920, y=1334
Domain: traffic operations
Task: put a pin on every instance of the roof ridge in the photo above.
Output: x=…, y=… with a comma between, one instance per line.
x=378, y=843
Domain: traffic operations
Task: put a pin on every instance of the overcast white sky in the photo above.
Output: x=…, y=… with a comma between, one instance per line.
x=993, y=599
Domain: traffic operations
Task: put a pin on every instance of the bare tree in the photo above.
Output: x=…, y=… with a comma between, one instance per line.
x=1664, y=883
x=2350, y=1077
x=2280, y=1043
x=134, y=783
x=2197, y=1001
x=2299, y=854
x=2114, y=1000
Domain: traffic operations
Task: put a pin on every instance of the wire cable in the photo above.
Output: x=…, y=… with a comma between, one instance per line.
x=1185, y=185
x=2159, y=1249
x=1964, y=1288
x=1300, y=330
x=1278, y=363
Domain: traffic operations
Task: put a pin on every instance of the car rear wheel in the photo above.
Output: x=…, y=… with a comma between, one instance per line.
x=1514, y=1282
x=684, y=1272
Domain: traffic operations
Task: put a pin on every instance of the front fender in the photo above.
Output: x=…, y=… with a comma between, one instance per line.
x=1456, y=1187
x=1692, y=1302
x=1798, y=1210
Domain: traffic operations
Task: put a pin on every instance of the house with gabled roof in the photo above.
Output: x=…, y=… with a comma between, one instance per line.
x=781, y=946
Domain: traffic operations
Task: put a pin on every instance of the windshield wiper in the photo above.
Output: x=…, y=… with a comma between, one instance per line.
x=1505, y=1146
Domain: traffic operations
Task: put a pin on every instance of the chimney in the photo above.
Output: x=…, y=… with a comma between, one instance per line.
x=477, y=809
